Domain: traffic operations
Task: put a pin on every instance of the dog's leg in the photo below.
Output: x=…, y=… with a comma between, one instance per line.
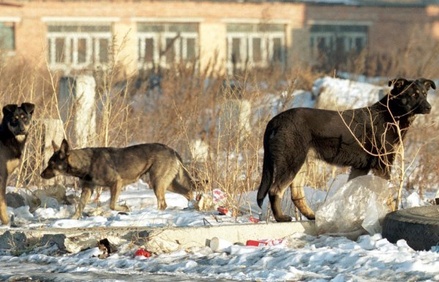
x=159, y=186
x=162, y=176
x=286, y=168
x=275, y=195
x=3, y=210
x=161, y=202
x=276, y=207
x=299, y=200
x=98, y=194
x=85, y=197
x=115, y=192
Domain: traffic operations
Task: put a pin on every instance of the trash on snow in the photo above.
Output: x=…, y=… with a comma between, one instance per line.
x=357, y=207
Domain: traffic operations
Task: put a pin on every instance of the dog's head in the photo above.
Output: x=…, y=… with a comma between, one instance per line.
x=409, y=97
x=18, y=119
x=58, y=162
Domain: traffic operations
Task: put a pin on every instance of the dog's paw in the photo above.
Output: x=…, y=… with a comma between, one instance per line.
x=124, y=208
x=121, y=208
x=283, y=218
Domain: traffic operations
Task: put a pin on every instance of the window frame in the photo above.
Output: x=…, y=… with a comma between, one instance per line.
x=12, y=22
x=71, y=32
x=247, y=34
x=333, y=32
x=167, y=31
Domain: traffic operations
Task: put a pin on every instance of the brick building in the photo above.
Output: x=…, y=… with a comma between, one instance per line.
x=143, y=34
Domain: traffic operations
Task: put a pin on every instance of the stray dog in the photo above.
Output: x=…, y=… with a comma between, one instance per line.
x=13, y=134
x=117, y=167
x=364, y=139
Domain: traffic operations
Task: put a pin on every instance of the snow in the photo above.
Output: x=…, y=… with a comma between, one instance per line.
x=299, y=257
x=346, y=93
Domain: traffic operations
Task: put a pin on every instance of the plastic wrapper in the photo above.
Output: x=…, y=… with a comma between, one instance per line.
x=358, y=207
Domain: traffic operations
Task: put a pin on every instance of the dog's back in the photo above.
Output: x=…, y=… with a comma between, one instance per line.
x=104, y=165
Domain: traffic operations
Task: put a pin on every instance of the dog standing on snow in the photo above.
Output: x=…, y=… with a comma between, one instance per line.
x=364, y=139
x=116, y=167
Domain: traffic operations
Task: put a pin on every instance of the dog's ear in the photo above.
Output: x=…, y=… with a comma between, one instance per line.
x=9, y=109
x=398, y=82
x=28, y=108
x=427, y=83
x=64, y=149
x=54, y=146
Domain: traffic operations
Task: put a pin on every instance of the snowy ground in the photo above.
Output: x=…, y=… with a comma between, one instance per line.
x=300, y=257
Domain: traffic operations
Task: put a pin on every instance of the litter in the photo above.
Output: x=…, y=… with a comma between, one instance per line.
x=264, y=242
x=219, y=245
x=142, y=253
x=356, y=208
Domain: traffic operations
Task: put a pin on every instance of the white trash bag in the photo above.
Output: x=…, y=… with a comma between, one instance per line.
x=356, y=208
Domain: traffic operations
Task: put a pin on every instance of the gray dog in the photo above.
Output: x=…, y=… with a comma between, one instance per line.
x=116, y=167
x=364, y=139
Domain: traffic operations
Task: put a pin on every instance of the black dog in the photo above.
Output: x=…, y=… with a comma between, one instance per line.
x=364, y=139
x=13, y=134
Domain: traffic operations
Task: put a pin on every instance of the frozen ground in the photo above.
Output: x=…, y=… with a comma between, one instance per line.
x=299, y=257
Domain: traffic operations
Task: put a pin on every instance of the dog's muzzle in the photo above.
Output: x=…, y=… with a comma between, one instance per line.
x=425, y=108
x=20, y=137
x=18, y=129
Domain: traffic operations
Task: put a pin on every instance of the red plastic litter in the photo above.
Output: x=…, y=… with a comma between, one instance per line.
x=260, y=243
x=222, y=210
x=253, y=219
x=254, y=243
x=142, y=253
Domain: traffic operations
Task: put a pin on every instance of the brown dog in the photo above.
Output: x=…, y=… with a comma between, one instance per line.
x=116, y=167
x=13, y=134
x=364, y=139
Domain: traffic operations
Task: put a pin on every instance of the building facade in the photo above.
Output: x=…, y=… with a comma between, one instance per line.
x=220, y=35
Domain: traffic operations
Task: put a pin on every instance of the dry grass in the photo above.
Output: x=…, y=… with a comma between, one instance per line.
x=201, y=106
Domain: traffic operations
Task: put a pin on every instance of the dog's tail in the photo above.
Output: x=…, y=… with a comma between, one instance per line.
x=267, y=171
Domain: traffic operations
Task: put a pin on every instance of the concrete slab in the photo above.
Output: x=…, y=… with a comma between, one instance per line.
x=184, y=236
x=197, y=236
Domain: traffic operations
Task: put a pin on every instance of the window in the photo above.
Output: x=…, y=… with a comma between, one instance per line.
x=78, y=46
x=166, y=43
x=7, y=36
x=255, y=45
x=337, y=42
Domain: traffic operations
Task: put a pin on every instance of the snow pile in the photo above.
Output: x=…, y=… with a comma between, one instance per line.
x=340, y=94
